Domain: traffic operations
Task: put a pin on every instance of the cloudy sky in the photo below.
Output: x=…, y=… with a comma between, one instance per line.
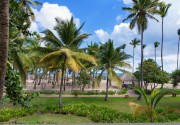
x=103, y=19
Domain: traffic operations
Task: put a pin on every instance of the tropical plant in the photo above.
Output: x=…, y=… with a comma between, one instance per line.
x=175, y=77
x=4, y=38
x=178, y=32
x=135, y=42
x=163, y=9
x=139, y=14
x=123, y=47
x=111, y=59
x=63, y=51
x=151, y=103
x=26, y=5
x=156, y=44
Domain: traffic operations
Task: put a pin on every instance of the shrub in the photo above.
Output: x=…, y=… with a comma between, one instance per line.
x=123, y=91
x=7, y=113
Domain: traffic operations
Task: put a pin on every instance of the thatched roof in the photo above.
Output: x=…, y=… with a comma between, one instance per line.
x=127, y=77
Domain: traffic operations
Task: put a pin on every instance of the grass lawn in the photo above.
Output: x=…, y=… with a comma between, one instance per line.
x=121, y=104
x=50, y=119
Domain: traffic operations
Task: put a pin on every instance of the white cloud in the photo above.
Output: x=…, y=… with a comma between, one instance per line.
x=102, y=35
x=127, y=1
x=118, y=18
x=45, y=17
x=33, y=27
x=120, y=34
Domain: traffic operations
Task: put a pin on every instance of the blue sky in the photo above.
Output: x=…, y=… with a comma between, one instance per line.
x=103, y=19
x=95, y=13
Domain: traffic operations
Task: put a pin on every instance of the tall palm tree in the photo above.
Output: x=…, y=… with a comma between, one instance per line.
x=163, y=9
x=4, y=38
x=178, y=49
x=139, y=14
x=64, y=49
x=111, y=59
x=135, y=42
x=156, y=44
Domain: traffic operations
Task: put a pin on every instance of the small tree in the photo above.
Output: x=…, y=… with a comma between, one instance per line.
x=175, y=77
x=152, y=73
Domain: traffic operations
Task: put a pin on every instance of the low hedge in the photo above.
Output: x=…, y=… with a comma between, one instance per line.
x=98, y=114
x=7, y=113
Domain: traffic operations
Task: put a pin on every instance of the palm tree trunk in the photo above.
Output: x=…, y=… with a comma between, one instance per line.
x=106, y=97
x=155, y=54
x=133, y=60
x=61, y=85
x=162, y=42
x=178, y=55
x=4, y=38
x=141, y=80
x=142, y=56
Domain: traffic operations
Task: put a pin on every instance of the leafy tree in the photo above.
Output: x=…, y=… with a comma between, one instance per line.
x=152, y=73
x=135, y=42
x=175, y=77
x=4, y=38
x=163, y=9
x=83, y=79
x=111, y=59
x=151, y=103
x=139, y=14
x=156, y=44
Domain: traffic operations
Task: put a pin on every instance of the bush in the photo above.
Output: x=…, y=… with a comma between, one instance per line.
x=7, y=113
x=122, y=91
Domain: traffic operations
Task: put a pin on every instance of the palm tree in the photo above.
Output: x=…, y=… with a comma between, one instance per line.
x=123, y=47
x=178, y=49
x=64, y=49
x=163, y=9
x=135, y=42
x=4, y=38
x=156, y=44
x=151, y=103
x=111, y=59
x=140, y=12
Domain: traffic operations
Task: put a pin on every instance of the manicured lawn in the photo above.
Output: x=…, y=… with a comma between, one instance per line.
x=50, y=119
x=121, y=104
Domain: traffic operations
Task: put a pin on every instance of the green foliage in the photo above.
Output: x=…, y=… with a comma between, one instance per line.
x=123, y=91
x=14, y=89
x=7, y=113
x=175, y=77
x=151, y=103
x=152, y=73
x=83, y=78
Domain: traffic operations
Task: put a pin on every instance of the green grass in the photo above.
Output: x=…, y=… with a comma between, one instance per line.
x=50, y=119
x=121, y=104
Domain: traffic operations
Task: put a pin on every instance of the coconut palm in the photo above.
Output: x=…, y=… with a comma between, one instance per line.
x=135, y=42
x=163, y=9
x=123, y=47
x=178, y=49
x=4, y=38
x=64, y=49
x=111, y=59
x=140, y=12
x=156, y=44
